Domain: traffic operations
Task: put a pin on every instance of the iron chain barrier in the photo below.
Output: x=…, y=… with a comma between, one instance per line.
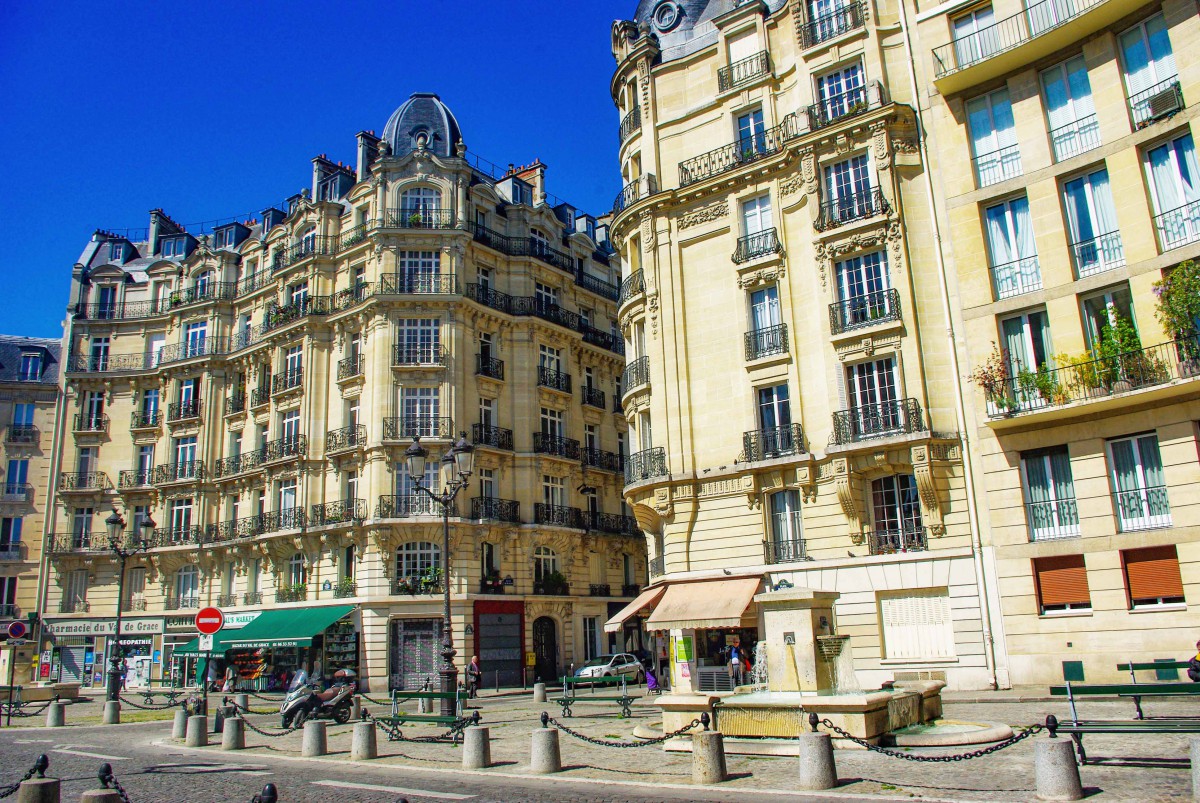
x=258, y=696
x=261, y=732
x=813, y=721
x=151, y=707
x=39, y=769
x=396, y=734
x=547, y=720
x=109, y=781
x=18, y=709
x=246, y=709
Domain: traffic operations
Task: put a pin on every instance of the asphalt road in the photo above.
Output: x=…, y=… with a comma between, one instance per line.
x=156, y=773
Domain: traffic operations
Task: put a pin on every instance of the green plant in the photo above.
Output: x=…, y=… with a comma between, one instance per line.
x=554, y=583
x=994, y=379
x=1178, y=308
x=414, y=219
x=1117, y=349
x=346, y=586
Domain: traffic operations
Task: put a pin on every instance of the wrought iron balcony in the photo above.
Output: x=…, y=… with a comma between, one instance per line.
x=86, y=422
x=556, y=380
x=288, y=380
x=737, y=154
x=350, y=437
x=851, y=207
x=535, y=306
x=245, y=527
x=630, y=590
x=1049, y=521
x=83, y=481
x=136, y=478
x=345, y=588
x=890, y=542
x=865, y=310
x=113, y=311
x=22, y=433
x=658, y=566
x=413, y=283
x=896, y=417
x=226, y=600
x=491, y=585
x=425, y=354
x=489, y=367
x=74, y=606
x=1016, y=278
x=636, y=374
x=418, y=218
x=417, y=426
x=523, y=246
x=614, y=523
x=598, y=286
x=767, y=342
x=820, y=29
x=235, y=403
x=633, y=285
x=1075, y=137
x=177, y=536
x=753, y=246
x=145, y=419
x=66, y=543
x=639, y=189
x=593, y=396
x=599, y=590
x=192, y=349
x=255, y=281
x=645, y=465
x=1099, y=254
x=181, y=411
x=555, y=445
x=260, y=395
x=136, y=604
x=296, y=593
x=292, y=518
x=16, y=492
x=601, y=339
x=343, y=300
x=598, y=458
x=354, y=235
x=284, y=448
x=557, y=515
x=489, y=297
x=490, y=508
x=342, y=511
x=766, y=444
x=238, y=463
x=398, y=506
x=10, y=551
x=744, y=71
x=1145, y=508
x=186, y=471
x=109, y=363
x=280, y=316
x=311, y=246
x=1178, y=227
x=495, y=437
x=252, y=598
x=630, y=123
x=351, y=366
x=181, y=603
x=784, y=551
x=546, y=587
x=998, y=165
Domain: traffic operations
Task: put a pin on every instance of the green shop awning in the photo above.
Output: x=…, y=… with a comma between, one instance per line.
x=220, y=645
x=291, y=627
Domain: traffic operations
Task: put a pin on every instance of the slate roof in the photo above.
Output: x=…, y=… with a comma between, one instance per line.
x=12, y=347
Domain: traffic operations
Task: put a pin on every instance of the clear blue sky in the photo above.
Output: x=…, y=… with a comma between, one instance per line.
x=215, y=109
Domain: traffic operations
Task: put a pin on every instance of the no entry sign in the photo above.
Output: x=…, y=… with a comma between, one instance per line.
x=209, y=621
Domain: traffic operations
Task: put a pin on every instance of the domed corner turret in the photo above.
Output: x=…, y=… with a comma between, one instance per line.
x=423, y=121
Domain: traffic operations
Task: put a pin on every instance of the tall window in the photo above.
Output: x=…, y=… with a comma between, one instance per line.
x=194, y=335
x=185, y=457
x=421, y=411
x=419, y=271
x=287, y=495
x=554, y=491
x=10, y=536
x=420, y=201
x=848, y=188
x=974, y=36
x=787, y=529
x=993, y=138
x=1149, y=66
x=417, y=558
x=137, y=588
x=1139, y=487
x=871, y=391
x=411, y=500
x=591, y=637
x=1049, y=494
x=487, y=413
x=862, y=284
x=297, y=570
x=549, y=358
x=896, y=510
x=1027, y=341
x=181, y=519
x=16, y=476
x=1011, y=248
x=22, y=414
x=298, y=294
x=418, y=341
x=487, y=483
x=99, y=354
x=841, y=92
x=552, y=423
x=187, y=587
x=1070, y=112
x=756, y=215
x=1175, y=181
x=75, y=591
x=290, y=429
x=774, y=424
x=764, y=308
x=751, y=132
x=1095, y=239
x=545, y=297
x=830, y=18
x=545, y=562
x=1104, y=314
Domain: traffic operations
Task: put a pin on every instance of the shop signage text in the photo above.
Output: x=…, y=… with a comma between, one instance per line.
x=101, y=627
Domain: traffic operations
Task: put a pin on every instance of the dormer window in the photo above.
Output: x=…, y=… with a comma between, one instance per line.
x=174, y=247
x=522, y=194
x=116, y=252
x=31, y=367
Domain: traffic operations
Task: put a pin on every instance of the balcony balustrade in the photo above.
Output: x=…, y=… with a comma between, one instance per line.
x=419, y=218
x=285, y=448
x=784, y=551
x=606, y=461
x=848, y=17
x=641, y=188
x=192, y=349
x=313, y=245
x=226, y=600
x=136, y=604
x=489, y=367
x=10, y=551
x=350, y=437
x=245, y=527
x=636, y=374
x=280, y=316
x=351, y=297
x=110, y=363
x=16, y=492
x=841, y=106
x=145, y=419
x=555, y=380
x=181, y=603
x=354, y=235
x=555, y=445
x=1099, y=254
x=596, y=285
x=185, y=471
x=1178, y=227
x=601, y=339
x=67, y=543
x=114, y=311
x=22, y=433
x=1052, y=520
x=759, y=244
x=1017, y=277
x=235, y=403
x=998, y=165
x=630, y=590
x=633, y=285
x=288, y=380
x=557, y=515
x=136, y=478
x=867, y=309
x=495, y=437
x=398, y=506
x=745, y=71
x=614, y=523
x=292, y=518
x=414, y=283
x=890, y=542
x=182, y=535
x=737, y=154
x=630, y=124
x=422, y=354
x=417, y=426
x=489, y=297
x=341, y=511
x=88, y=422
x=895, y=417
x=74, y=606
x=646, y=465
x=252, y=598
x=296, y=593
x=1142, y=508
x=1075, y=137
x=184, y=410
x=599, y=590
x=488, y=508
x=350, y=367
x=254, y=281
x=237, y=464
x=767, y=342
x=766, y=444
x=851, y=207
x=592, y=396
x=89, y=481
x=261, y=396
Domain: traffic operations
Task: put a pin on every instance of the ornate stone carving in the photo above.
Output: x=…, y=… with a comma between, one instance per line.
x=791, y=185
x=704, y=214
x=808, y=169
x=889, y=236
x=846, y=486
x=647, y=232
x=764, y=276
x=931, y=502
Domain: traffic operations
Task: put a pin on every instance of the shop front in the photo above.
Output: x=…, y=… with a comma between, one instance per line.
x=267, y=652
x=500, y=642
x=78, y=650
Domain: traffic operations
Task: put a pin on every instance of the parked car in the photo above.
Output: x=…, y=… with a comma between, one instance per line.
x=604, y=666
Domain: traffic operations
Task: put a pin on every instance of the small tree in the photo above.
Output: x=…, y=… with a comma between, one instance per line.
x=1178, y=308
x=993, y=377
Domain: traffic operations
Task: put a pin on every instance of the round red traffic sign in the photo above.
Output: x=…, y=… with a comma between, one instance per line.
x=209, y=621
x=17, y=629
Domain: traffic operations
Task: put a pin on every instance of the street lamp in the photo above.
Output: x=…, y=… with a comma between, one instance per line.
x=123, y=549
x=456, y=467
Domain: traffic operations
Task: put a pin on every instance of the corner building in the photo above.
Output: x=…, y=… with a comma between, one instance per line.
x=252, y=386
x=1065, y=135
x=791, y=389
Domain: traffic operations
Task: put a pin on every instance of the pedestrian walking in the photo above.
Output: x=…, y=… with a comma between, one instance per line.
x=735, y=661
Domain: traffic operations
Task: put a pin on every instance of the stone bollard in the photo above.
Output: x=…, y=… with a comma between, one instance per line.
x=363, y=747
x=1195, y=752
x=314, y=741
x=539, y=692
x=112, y=713
x=355, y=707
x=100, y=796
x=708, y=757
x=242, y=701
x=817, y=767
x=477, y=749
x=179, y=727
x=56, y=715
x=234, y=735
x=1055, y=770
x=545, y=757
x=39, y=790
x=197, y=731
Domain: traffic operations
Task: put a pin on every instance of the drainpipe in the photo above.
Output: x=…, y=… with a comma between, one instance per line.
x=989, y=652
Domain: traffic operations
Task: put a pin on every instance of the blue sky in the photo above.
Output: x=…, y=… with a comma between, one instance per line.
x=211, y=110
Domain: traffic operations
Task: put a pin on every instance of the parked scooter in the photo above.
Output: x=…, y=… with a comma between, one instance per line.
x=305, y=701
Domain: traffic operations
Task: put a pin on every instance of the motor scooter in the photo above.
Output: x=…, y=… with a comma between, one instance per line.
x=305, y=701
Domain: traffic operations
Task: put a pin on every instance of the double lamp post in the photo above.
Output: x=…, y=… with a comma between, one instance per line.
x=123, y=548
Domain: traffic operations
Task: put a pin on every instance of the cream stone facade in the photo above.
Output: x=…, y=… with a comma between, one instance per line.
x=791, y=390
x=1066, y=175
x=253, y=386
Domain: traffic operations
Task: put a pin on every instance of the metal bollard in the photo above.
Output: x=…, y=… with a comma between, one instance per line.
x=1055, y=770
x=364, y=746
x=56, y=715
x=197, y=731
x=39, y=789
x=708, y=758
x=112, y=712
x=269, y=794
x=545, y=757
x=179, y=726
x=497, y=673
x=233, y=737
x=477, y=748
x=817, y=767
x=315, y=742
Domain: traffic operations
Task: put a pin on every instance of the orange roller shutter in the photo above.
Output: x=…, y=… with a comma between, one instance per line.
x=1062, y=580
x=1153, y=572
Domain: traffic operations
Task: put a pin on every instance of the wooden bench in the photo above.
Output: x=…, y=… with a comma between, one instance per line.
x=456, y=723
x=570, y=694
x=1136, y=691
x=1078, y=728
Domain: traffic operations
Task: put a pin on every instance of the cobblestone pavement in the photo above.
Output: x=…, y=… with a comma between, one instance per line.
x=1153, y=769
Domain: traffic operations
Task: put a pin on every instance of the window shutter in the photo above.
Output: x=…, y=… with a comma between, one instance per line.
x=1152, y=572
x=1061, y=580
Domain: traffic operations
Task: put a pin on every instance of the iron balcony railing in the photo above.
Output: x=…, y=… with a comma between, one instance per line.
x=614, y=523
x=890, y=542
x=252, y=598
x=1163, y=100
x=296, y=593
x=1051, y=520
x=1017, y=277
x=766, y=342
x=598, y=286
x=601, y=339
x=181, y=603
x=261, y=395
x=633, y=285
x=1098, y=254
x=280, y=316
x=180, y=411
x=1142, y=508
x=418, y=218
x=255, y=281
x=343, y=300
x=489, y=297
x=355, y=235
x=865, y=310
x=1178, y=227
x=350, y=437
x=599, y=590
x=639, y=189
x=135, y=478
x=10, y=551
x=645, y=465
x=292, y=518
x=187, y=470
x=630, y=589
x=65, y=543
x=145, y=419
x=836, y=107
x=235, y=403
x=311, y=246
x=630, y=124
x=114, y=311
x=557, y=515
x=555, y=445
x=16, y=492
x=598, y=458
x=523, y=246
x=1075, y=137
x=341, y=511
x=495, y=437
x=407, y=427
x=744, y=71
x=345, y=587
x=351, y=366
x=617, y=406
x=245, y=527
x=766, y=444
x=736, y=154
x=896, y=417
x=489, y=367
x=998, y=165
x=849, y=17
x=753, y=246
x=489, y=508
x=851, y=207
x=208, y=291
x=288, y=380
x=397, y=506
x=74, y=606
x=177, y=536
x=658, y=566
x=1096, y=378
x=784, y=551
x=418, y=354
x=413, y=283
x=283, y=448
x=592, y=396
x=539, y=308
x=22, y=433
x=87, y=422
x=83, y=481
x=193, y=349
x=636, y=374
x=136, y=604
x=238, y=463
x=556, y=380
x=110, y=363
x=226, y=600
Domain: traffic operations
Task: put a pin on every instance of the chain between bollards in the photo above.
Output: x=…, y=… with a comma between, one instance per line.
x=40, y=765
x=547, y=721
x=1009, y=742
x=109, y=781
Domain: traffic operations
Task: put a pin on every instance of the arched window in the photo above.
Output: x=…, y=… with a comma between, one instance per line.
x=420, y=206
x=417, y=559
x=297, y=572
x=187, y=587
x=545, y=562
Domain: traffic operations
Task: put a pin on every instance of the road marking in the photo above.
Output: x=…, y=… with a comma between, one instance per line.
x=395, y=790
x=32, y=741
x=195, y=769
x=88, y=755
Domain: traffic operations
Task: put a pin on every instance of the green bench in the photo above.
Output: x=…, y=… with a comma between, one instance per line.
x=456, y=723
x=1077, y=728
x=570, y=693
x=165, y=687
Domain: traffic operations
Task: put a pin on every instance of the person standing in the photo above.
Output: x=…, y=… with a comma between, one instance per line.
x=474, y=675
x=1194, y=665
x=735, y=661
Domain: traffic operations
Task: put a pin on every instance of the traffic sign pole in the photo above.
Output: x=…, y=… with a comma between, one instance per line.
x=209, y=622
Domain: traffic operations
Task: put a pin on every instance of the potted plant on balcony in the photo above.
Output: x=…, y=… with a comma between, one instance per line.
x=994, y=379
x=175, y=299
x=297, y=591
x=1122, y=361
x=431, y=581
x=346, y=587
x=414, y=220
x=403, y=586
x=1178, y=310
x=554, y=583
x=493, y=583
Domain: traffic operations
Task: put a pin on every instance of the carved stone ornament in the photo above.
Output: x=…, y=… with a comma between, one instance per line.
x=879, y=146
x=846, y=486
x=647, y=232
x=889, y=237
x=704, y=214
x=652, y=309
x=791, y=185
x=931, y=501
x=754, y=278
x=808, y=169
